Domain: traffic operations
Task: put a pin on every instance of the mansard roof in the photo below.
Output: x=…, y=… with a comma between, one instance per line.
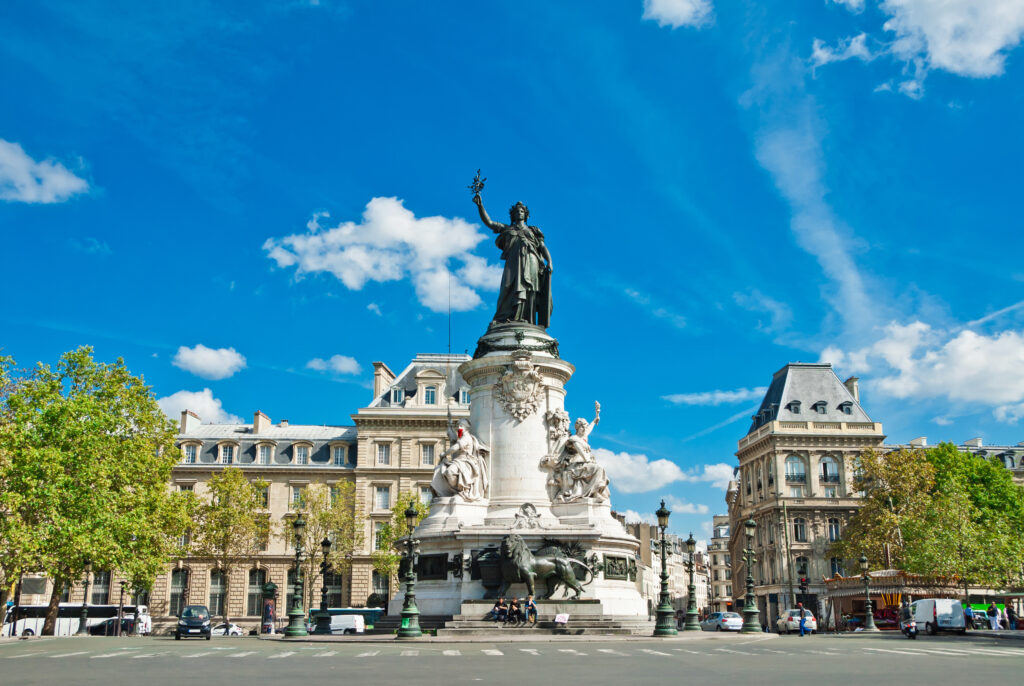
x=442, y=363
x=798, y=387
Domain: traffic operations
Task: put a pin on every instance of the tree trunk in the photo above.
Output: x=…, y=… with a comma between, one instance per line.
x=50, y=624
x=227, y=594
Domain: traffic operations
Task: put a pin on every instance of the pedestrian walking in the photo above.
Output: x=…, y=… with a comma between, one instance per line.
x=993, y=616
x=1011, y=616
x=968, y=617
x=803, y=619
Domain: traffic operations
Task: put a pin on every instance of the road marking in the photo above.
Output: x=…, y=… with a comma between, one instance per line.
x=251, y=652
x=654, y=652
x=777, y=652
x=491, y=651
x=80, y=652
x=451, y=653
x=279, y=655
x=998, y=651
x=410, y=653
x=572, y=651
x=15, y=657
x=202, y=654
x=734, y=652
x=691, y=652
x=823, y=652
x=117, y=654
x=611, y=652
x=531, y=651
x=369, y=653
x=899, y=652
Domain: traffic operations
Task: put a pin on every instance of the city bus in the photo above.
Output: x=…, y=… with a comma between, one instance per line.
x=32, y=617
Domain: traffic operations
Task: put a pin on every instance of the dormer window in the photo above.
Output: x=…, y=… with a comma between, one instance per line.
x=846, y=408
x=227, y=454
x=397, y=395
x=189, y=453
x=793, y=406
x=464, y=396
x=265, y=453
x=430, y=395
x=302, y=454
x=821, y=407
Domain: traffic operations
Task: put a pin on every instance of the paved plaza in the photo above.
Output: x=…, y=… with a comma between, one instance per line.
x=703, y=659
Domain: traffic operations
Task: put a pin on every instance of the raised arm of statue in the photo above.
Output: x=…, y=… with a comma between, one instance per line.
x=496, y=227
x=597, y=418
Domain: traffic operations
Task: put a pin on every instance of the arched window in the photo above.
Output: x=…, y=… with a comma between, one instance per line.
x=829, y=470
x=759, y=479
x=802, y=566
x=254, y=600
x=430, y=395
x=800, y=530
x=101, y=588
x=836, y=566
x=1008, y=460
x=179, y=591
x=216, y=606
x=833, y=529
x=796, y=469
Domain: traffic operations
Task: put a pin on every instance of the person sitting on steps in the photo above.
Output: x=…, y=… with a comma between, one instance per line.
x=531, y=610
x=499, y=613
x=515, y=612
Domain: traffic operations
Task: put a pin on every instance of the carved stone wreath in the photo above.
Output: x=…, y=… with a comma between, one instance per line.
x=519, y=390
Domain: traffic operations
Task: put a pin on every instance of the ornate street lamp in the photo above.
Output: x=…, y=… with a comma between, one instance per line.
x=666, y=622
x=751, y=625
x=323, y=618
x=296, y=616
x=869, y=611
x=692, y=622
x=83, y=618
x=410, y=613
x=120, y=609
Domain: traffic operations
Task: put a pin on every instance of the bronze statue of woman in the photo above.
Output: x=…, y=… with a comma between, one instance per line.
x=526, y=281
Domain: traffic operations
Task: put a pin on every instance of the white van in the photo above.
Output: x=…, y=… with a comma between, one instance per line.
x=347, y=624
x=938, y=614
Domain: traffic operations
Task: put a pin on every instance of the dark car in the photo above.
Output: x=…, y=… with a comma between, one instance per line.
x=108, y=627
x=194, y=622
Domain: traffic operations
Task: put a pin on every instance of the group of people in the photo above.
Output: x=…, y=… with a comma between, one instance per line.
x=998, y=618
x=515, y=611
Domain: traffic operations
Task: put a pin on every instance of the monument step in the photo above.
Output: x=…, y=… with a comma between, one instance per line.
x=570, y=630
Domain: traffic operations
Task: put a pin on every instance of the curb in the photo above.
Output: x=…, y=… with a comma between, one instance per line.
x=505, y=638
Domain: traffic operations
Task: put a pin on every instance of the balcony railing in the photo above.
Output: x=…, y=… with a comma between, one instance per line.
x=796, y=478
x=829, y=478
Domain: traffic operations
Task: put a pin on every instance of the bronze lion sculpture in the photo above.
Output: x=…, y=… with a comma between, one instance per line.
x=549, y=565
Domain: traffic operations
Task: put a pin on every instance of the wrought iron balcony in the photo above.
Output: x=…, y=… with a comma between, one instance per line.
x=829, y=478
x=796, y=478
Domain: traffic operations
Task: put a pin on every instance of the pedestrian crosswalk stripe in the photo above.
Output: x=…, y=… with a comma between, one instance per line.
x=610, y=651
x=410, y=653
x=202, y=654
x=280, y=655
x=492, y=652
x=249, y=652
x=734, y=652
x=654, y=652
x=571, y=651
x=369, y=653
x=1000, y=651
x=15, y=657
x=451, y=653
x=531, y=651
x=80, y=652
x=900, y=652
x=691, y=652
x=117, y=654
x=144, y=655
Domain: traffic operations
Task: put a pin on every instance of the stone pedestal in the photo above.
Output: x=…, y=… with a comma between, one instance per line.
x=516, y=380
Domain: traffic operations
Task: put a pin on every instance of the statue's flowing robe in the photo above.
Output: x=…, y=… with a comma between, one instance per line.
x=524, y=275
x=466, y=474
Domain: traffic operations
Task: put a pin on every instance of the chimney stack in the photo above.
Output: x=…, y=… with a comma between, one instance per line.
x=190, y=421
x=853, y=386
x=919, y=442
x=260, y=422
x=973, y=443
x=284, y=423
x=382, y=378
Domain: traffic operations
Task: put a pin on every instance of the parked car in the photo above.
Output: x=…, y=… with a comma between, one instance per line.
x=194, y=622
x=108, y=627
x=722, y=621
x=347, y=624
x=789, y=621
x=939, y=614
x=223, y=629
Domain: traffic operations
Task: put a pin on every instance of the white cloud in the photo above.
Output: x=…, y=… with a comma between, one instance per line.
x=201, y=402
x=855, y=6
x=678, y=506
x=964, y=37
x=918, y=361
x=718, y=474
x=391, y=244
x=845, y=49
x=779, y=313
x=375, y=308
x=635, y=473
x=338, y=364
x=209, y=363
x=22, y=179
x=676, y=13
x=654, y=309
x=634, y=517
x=717, y=397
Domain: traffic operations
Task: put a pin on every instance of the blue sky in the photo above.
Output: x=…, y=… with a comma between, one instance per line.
x=724, y=188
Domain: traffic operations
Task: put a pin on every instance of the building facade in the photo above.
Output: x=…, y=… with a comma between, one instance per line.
x=796, y=480
x=720, y=566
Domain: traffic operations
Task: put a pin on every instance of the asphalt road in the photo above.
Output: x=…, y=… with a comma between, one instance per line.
x=703, y=659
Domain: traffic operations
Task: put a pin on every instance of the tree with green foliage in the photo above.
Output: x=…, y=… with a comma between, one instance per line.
x=87, y=457
x=231, y=527
x=329, y=512
x=387, y=557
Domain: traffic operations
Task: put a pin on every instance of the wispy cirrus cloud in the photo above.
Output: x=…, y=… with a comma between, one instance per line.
x=716, y=397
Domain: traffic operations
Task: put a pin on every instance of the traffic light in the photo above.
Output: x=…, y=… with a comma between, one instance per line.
x=803, y=584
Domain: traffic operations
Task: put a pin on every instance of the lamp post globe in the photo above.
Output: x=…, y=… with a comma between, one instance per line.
x=751, y=625
x=692, y=620
x=410, y=627
x=869, y=610
x=323, y=616
x=296, y=616
x=83, y=617
x=666, y=622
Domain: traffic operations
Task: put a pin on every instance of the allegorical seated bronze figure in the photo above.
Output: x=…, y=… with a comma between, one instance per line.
x=550, y=565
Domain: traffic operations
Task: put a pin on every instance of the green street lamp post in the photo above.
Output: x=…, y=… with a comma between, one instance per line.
x=666, y=622
x=692, y=622
x=751, y=625
x=296, y=615
x=83, y=617
x=869, y=610
x=410, y=613
x=323, y=618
